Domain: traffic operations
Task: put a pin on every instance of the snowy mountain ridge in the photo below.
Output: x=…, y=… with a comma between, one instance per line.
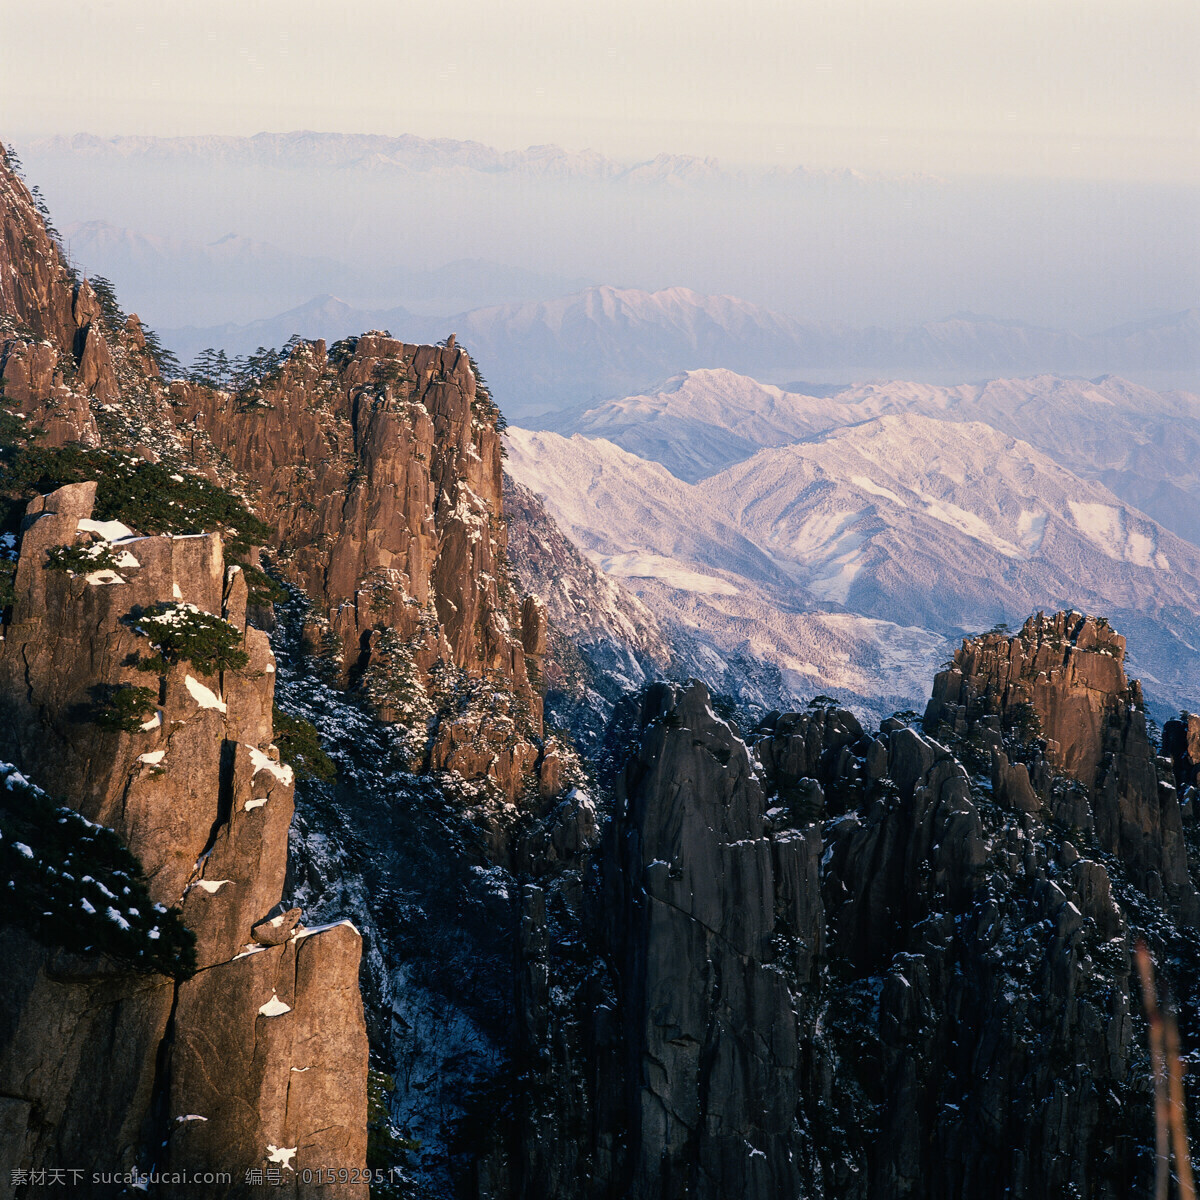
x=896, y=522
x=1142, y=444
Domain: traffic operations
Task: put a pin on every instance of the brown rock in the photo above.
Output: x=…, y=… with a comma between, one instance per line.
x=385, y=490
x=35, y=287
x=272, y=1051
x=96, y=372
x=198, y=794
x=274, y=931
x=78, y=1045
x=1060, y=687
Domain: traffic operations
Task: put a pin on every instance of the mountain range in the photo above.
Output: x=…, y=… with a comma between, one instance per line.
x=408, y=154
x=601, y=342
x=1142, y=444
x=884, y=259
x=236, y=278
x=765, y=520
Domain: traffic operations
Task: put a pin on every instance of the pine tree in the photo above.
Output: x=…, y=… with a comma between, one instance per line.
x=168, y=364
x=110, y=310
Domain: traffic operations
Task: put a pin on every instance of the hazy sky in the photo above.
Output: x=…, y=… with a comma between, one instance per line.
x=1078, y=88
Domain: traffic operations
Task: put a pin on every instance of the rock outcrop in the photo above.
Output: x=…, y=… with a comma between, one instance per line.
x=37, y=291
x=264, y=1047
x=843, y=966
x=1061, y=683
x=73, y=367
x=48, y=323
x=377, y=466
x=1181, y=744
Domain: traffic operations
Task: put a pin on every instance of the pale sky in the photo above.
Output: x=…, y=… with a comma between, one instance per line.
x=1074, y=88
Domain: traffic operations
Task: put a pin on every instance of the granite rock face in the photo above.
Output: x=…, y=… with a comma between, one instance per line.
x=48, y=324
x=72, y=367
x=197, y=793
x=716, y=924
x=377, y=465
x=829, y=962
x=1063, y=677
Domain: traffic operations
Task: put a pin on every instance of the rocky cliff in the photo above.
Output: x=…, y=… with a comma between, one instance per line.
x=137, y=693
x=73, y=365
x=1092, y=768
x=811, y=960
x=377, y=467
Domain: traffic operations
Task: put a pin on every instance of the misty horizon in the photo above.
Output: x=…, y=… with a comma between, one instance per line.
x=821, y=245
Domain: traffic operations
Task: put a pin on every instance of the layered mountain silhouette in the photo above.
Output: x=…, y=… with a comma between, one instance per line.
x=607, y=342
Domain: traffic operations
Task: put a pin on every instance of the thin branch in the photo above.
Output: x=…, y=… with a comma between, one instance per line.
x=1170, y=1117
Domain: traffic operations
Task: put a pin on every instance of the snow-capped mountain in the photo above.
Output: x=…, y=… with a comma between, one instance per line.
x=633, y=518
x=602, y=640
x=172, y=279
x=950, y=525
x=1141, y=444
x=730, y=613
x=699, y=422
x=811, y=556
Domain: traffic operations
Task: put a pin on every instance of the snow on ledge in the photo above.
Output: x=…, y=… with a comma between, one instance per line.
x=212, y=886
x=261, y=762
x=152, y=757
x=274, y=1007
x=154, y=722
x=103, y=578
x=110, y=531
x=282, y=1155
x=203, y=696
x=253, y=804
x=303, y=933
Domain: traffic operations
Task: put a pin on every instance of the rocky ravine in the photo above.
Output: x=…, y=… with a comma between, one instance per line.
x=816, y=961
